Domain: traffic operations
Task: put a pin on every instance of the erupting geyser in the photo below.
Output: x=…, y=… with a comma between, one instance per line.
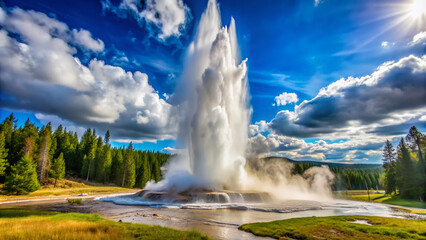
x=212, y=96
x=211, y=100
x=219, y=116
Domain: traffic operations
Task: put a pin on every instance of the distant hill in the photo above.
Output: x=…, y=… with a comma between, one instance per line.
x=330, y=165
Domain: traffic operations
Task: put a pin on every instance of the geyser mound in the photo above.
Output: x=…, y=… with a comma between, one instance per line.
x=205, y=196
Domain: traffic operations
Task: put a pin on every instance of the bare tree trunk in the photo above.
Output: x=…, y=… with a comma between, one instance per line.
x=29, y=147
x=44, y=160
x=124, y=177
x=124, y=171
x=368, y=191
x=88, y=171
x=421, y=160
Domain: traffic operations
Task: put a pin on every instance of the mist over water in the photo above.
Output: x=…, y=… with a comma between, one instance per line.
x=212, y=100
x=276, y=176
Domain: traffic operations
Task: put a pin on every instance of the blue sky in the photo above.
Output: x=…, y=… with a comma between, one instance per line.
x=294, y=48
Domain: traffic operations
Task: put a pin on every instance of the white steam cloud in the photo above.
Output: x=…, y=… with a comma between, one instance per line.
x=275, y=175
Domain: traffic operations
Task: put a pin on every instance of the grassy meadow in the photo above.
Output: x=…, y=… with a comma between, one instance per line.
x=29, y=224
x=340, y=227
x=362, y=195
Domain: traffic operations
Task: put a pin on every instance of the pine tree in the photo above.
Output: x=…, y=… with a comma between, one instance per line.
x=60, y=143
x=415, y=140
x=89, y=162
x=99, y=161
x=44, y=152
x=105, y=161
x=3, y=155
x=23, y=177
x=405, y=172
x=73, y=155
x=118, y=167
x=88, y=148
x=389, y=154
x=389, y=163
x=390, y=178
x=107, y=164
x=107, y=137
x=23, y=142
x=7, y=128
x=155, y=168
x=146, y=175
x=129, y=168
x=142, y=176
x=85, y=166
x=57, y=171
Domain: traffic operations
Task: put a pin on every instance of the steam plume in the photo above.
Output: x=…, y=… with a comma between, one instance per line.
x=213, y=97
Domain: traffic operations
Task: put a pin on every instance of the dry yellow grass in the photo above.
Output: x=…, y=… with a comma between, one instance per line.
x=41, y=225
x=42, y=228
x=414, y=210
x=66, y=187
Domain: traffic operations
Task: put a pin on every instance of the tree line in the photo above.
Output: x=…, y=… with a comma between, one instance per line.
x=405, y=168
x=358, y=179
x=29, y=155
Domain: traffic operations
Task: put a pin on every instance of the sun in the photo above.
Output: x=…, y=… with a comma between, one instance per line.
x=417, y=8
x=409, y=14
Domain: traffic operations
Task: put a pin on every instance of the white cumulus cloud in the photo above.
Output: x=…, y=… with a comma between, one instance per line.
x=285, y=98
x=386, y=44
x=169, y=17
x=363, y=101
x=419, y=38
x=357, y=114
x=41, y=73
x=84, y=38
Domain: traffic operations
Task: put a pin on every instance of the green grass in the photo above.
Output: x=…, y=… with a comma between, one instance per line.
x=373, y=197
x=340, y=227
x=417, y=211
x=359, y=195
x=66, y=187
x=75, y=200
x=396, y=200
x=30, y=224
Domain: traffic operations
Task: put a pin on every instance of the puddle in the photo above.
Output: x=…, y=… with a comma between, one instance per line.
x=365, y=222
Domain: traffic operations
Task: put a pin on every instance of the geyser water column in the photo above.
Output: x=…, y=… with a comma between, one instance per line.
x=211, y=98
x=219, y=115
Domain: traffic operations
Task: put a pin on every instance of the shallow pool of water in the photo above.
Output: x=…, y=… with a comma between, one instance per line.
x=221, y=221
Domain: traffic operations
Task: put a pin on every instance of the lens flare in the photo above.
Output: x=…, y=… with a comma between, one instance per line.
x=417, y=8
